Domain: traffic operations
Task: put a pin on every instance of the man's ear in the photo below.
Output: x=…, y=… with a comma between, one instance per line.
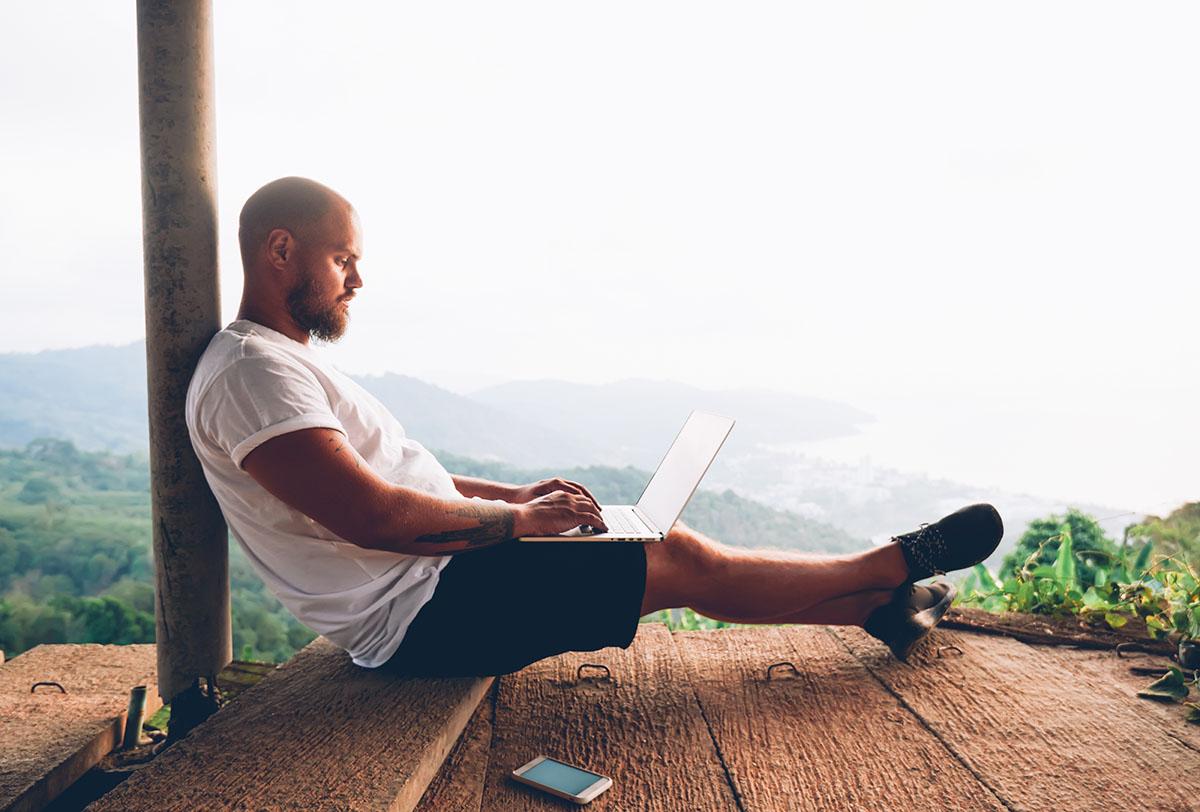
x=280, y=245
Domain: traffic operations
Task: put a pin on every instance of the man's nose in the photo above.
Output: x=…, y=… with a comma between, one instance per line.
x=354, y=280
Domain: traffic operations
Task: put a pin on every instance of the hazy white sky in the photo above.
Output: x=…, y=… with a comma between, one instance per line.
x=976, y=220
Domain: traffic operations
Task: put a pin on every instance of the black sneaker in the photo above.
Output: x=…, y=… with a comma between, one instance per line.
x=960, y=540
x=911, y=615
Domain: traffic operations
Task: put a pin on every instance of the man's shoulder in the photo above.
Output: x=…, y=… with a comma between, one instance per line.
x=231, y=348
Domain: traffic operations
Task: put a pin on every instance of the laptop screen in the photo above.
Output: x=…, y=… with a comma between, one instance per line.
x=681, y=470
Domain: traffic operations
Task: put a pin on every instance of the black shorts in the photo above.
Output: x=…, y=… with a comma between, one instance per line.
x=498, y=609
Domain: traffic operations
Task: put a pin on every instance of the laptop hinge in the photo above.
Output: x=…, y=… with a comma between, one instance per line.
x=646, y=521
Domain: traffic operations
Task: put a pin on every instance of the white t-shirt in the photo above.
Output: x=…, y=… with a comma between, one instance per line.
x=253, y=383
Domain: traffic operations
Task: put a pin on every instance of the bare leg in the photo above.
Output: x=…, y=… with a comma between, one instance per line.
x=753, y=586
x=848, y=610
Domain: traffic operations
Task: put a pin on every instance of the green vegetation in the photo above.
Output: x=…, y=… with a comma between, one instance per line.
x=1177, y=535
x=76, y=565
x=1040, y=542
x=75, y=560
x=1059, y=575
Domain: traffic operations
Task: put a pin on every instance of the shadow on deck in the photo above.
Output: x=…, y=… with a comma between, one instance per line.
x=693, y=721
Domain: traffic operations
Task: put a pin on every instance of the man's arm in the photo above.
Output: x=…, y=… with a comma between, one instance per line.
x=484, y=488
x=318, y=472
x=518, y=494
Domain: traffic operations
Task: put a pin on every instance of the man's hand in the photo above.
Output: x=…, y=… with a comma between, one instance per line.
x=527, y=493
x=556, y=512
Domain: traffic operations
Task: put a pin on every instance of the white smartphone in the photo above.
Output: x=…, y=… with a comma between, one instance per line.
x=562, y=779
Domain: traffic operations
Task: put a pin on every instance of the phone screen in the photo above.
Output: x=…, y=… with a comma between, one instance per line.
x=562, y=777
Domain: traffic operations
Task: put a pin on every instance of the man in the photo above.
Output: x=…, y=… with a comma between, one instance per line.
x=368, y=540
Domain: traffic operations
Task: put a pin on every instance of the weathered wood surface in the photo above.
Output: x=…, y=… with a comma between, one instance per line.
x=1108, y=674
x=458, y=786
x=1045, y=630
x=1025, y=726
x=319, y=733
x=48, y=739
x=825, y=736
x=645, y=731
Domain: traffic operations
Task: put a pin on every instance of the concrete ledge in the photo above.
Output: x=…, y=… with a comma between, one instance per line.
x=319, y=733
x=49, y=739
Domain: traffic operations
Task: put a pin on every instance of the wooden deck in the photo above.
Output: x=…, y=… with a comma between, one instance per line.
x=691, y=721
x=50, y=737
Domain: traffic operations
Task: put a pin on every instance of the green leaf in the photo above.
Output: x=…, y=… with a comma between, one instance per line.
x=1193, y=713
x=986, y=579
x=1100, y=578
x=1025, y=595
x=1114, y=620
x=995, y=603
x=1143, y=558
x=1064, y=563
x=1092, y=600
x=1168, y=688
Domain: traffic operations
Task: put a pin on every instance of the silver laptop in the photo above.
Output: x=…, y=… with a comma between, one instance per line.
x=668, y=491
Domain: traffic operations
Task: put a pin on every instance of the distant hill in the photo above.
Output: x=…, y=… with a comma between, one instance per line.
x=632, y=421
x=96, y=398
x=438, y=418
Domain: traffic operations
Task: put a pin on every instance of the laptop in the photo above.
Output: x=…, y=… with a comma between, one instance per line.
x=668, y=491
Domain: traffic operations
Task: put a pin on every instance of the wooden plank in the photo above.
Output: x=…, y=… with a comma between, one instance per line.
x=319, y=733
x=49, y=739
x=645, y=731
x=1031, y=731
x=458, y=786
x=1046, y=630
x=1106, y=673
x=826, y=736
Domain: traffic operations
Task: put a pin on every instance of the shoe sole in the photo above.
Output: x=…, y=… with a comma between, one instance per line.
x=927, y=619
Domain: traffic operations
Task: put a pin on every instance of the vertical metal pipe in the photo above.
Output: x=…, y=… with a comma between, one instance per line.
x=179, y=214
x=135, y=717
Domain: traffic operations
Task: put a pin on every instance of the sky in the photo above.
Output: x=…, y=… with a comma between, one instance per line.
x=976, y=221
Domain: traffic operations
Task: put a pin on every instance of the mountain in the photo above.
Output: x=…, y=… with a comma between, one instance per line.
x=631, y=422
x=94, y=397
x=438, y=418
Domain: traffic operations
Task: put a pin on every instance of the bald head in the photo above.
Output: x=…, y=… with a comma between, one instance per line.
x=301, y=243
x=294, y=204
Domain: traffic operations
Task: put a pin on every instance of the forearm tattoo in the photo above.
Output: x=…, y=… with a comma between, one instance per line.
x=495, y=525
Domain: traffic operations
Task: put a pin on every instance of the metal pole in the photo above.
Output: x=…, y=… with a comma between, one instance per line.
x=179, y=214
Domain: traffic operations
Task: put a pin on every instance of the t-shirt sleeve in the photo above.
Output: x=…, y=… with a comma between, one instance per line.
x=259, y=397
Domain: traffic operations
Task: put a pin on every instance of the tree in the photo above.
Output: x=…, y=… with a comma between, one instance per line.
x=1086, y=535
x=39, y=491
x=1178, y=534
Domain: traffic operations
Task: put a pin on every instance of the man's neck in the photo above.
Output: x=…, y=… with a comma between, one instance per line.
x=279, y=322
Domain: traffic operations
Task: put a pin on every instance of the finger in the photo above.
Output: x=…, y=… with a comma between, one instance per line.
x=569, y=486
x=592, y=517
x=588, y=494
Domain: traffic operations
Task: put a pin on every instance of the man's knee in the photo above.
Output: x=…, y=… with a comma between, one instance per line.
x=686, y=553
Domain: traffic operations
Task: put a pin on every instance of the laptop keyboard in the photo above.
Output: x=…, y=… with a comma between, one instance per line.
x=620, y=521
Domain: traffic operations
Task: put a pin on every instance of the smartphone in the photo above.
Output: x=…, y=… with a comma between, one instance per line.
x=562, y=779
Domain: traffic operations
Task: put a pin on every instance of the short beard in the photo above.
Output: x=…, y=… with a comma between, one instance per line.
x=325, y=325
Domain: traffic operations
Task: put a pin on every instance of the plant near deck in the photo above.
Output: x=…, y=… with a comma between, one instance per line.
x=1164, y=594
x=686, y=620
